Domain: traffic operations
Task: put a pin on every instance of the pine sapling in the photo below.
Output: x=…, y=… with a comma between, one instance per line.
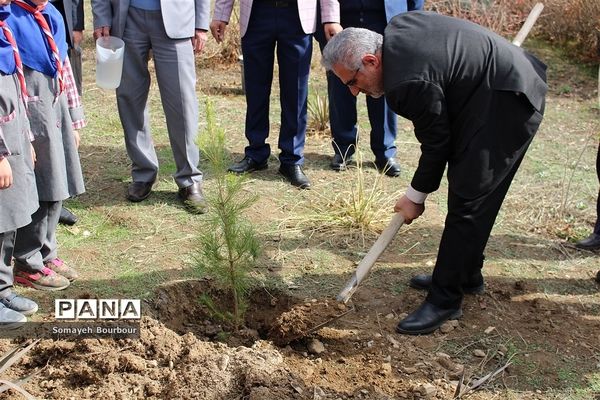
x=228, y=243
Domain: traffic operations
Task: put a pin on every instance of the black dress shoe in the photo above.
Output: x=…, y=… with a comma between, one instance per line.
x=138, y=191
x=388, y=166
x=591, y=242
x=426, y=319
x=339, y=163
x=247, y=165
x=423, y=282
x=67, y=217
x=193, y=198
x=295, y=175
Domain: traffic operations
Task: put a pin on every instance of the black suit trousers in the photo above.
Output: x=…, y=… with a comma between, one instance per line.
x=481, y=177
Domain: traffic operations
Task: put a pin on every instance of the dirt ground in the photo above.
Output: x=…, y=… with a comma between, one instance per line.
x=356, y=357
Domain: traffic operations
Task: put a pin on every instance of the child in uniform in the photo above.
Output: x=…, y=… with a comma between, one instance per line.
x=55, y=113
x=18, y=193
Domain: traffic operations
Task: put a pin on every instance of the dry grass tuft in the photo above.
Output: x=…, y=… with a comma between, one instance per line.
x=318, y=113
x=355, y=210
x=227, y=52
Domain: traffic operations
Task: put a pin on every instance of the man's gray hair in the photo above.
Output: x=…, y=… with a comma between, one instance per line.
x=349, y=46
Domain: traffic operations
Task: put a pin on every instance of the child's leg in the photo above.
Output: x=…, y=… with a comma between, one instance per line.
x=7, y=243
x=50, y=247
x=31, y=241
x=9, y=318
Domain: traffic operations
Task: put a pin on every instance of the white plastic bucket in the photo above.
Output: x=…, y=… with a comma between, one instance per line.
x=109, y=61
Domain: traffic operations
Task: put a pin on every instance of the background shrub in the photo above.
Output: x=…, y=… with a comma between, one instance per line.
x=573, y=24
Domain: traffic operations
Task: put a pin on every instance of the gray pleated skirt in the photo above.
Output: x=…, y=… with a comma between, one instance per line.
x=19, y=201
x=57, y=169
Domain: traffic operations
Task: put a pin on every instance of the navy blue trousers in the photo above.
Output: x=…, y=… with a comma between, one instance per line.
x=342, y=104
x=273, y=29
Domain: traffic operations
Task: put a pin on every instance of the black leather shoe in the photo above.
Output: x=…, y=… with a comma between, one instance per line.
x=388, y=166
x=591, y=242
x=193, y=198
x=295, y=175
x=138, y=191
x=426, y=319
x=339, y=163
x=423, y=282
x=67, y=217
x=247, y=165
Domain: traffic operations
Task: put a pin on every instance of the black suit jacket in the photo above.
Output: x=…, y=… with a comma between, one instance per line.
x=441, y=73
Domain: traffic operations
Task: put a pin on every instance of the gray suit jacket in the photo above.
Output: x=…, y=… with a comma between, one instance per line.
x=180, y=17
x=72, y=12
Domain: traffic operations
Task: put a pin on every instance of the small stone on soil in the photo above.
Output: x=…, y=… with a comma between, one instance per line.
x=224, y=362
x=297, y=387
x=385, y=369
x=426, y=390
x=394, y=342
x=318, y=393
x=315, y=347
x=489, y=330
x=479, y=353
x=446, y=327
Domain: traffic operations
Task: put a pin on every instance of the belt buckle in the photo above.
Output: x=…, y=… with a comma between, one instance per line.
x=282, y=3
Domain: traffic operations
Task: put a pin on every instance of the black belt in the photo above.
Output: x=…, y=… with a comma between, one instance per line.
x=277, y=3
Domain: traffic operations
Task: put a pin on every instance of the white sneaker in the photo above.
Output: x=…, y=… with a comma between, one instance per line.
x=10, y=319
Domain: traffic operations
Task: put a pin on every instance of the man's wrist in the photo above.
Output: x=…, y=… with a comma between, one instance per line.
x=415, y=196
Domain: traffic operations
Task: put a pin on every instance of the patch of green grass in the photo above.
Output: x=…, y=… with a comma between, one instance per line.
x=565, y=89
x=590, y=390
x=127, y=281
x=94, y=227
x=399, y=288
x=568, y=376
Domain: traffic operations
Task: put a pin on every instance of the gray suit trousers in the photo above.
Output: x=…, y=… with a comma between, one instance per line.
x=176, y=77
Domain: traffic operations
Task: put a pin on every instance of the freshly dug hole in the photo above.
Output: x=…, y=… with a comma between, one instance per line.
x=272, y=315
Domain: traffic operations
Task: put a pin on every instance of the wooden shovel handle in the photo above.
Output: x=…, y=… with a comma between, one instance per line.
x=369, y=260
x=531, y=18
